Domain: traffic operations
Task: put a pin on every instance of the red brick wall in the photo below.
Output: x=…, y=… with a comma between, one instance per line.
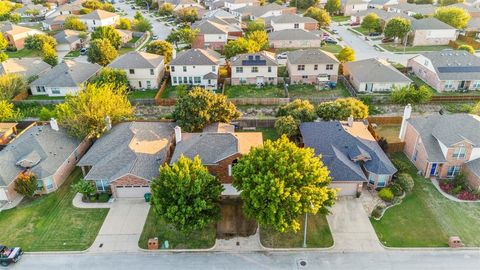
x=199, y=42
x=473, y=180
x=221, y=170
x=411, y=136
x=455, y=162
x=69, y=165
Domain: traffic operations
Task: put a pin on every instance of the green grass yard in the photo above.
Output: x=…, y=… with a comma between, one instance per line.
x=268, y=133
x=309, y=91
x=156, y=227
x=340, y=18
x=169, y=92
x=362, y=30
x=426, y=218
x=73, y=54
x=399, y=48
x=251, y=91
x=23, y=53
x=51, y=223
x=147, y=94
x=333, y=48
x=318, y=235
x=44, y=97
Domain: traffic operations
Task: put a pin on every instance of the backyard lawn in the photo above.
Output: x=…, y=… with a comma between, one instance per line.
x=268, y=133
x=318, y=235
x=309, y=91
x=426, y=218
x=251, y=91
x=389, y=132
x=156, y=227
x=399, y=48
x=147, y=94
x=51, y=223
x=23, y=53
x=333, y=48
x=169, y=92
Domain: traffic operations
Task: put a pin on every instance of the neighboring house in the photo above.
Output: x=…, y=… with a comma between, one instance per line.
x=290, y=21
x=350, y=153
x=254, y=68
x=447, y=70
x=219, y=149
x=442, y=146
x=236, y=4
x=431, y=31
x=219, y=13
x=33, y=12
x=294, y=38
x=65, y=78
x=126, y=158
x=381, y=4
x=56, y=23
x=68, y=40
x=473, y=27
x=30, y=67
x=8, y=131
x=196, y=67
x=45, y=150
x=214, y=33
x=181, y=4
x=268, y=10
x=374, y=75
x=144, y=70
x=382, y=14
x=125, y=35
x=16, y=35
x=472, y=10
x=312, y=66
x=350, y=7
x=98, y=18
x=70, y=9
x=412, y=9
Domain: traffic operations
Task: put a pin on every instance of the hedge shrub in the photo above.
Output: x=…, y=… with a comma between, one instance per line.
x=396, y=189
x=405, y=180
x=386, y=194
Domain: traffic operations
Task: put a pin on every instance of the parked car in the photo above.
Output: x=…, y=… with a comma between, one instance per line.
x=387, y=40
x=330, y=41
x=325, y=34
x=282, y=56
x=354, y=24
x=133, y=7
x=83, y=51
x=335, y=31
x=155, y=37
x=374, y=34
x=9, y=255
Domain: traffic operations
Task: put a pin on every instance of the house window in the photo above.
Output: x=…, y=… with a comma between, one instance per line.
x=93, y=22
x=254, y=69
x=382, y=180
x=197, y=80
x=214, y=68
x=102, y=185
x=371, y=179
x=269, y=69
x=330, y=67
x=243, y=80
x=453, y=171
x=152, y=72
x=301, y=67
x=239, y=69
x=476, y=85
x=40, y=89
x=304, y=76
x=140, y=84
x=131, y=71
x=184, y=69
x=172, y=68
x=149, y=84
x=190, y=80
x=56, y=91
x=296, y=26
x=448, y=84
x=459, y=152
x=175, y=80
x=48, y=183
x=185, y=79
x=315, y=67
x=39, y=185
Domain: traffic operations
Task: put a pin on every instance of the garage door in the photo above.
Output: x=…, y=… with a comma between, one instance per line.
x=3, y=195
x=131, y=191
x=346, y=189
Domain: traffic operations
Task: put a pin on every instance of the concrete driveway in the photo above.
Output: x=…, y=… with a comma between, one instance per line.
x=351, y=228
x=122, y=227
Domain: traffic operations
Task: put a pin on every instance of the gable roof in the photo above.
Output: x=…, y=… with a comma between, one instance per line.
x=374, y=70
x=258, y=11
x=383, y=14
x=14, y=29
x=199, y=57
x=67, y=36
x=262, y=58
x=290, y=18
x=311, y=56
x=67, y=74
x=455, y=65
x=137, y=59
x=40, y=147
x=137, y=148
x=338, y=144
x=292, y=34
x=430, y=24
x=425, y=9
x=24, y=66
x=98, y=14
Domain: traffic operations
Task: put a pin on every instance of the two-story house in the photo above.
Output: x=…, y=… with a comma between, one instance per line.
x=290, y=21
x=442, y=146
x=214, y=32
x=431, y=31
x=254, y=68
x=350, y=7
x=144, y=70
x=98, y=18
x=312, y=66
x=447, y=70
x=236, y=4
x=196, y=67
x=16, y=34
x=261, y=12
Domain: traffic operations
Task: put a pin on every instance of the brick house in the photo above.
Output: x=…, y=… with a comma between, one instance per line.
x=44, y=150
x=447, y=70
x=312, y=66
x=254, y=68
x=431, y=31
x=214, y=33
x=350, y=153
x=219, y=147
x=16, y=35
x=442, y=146
x=125, y=159
x=290, y=21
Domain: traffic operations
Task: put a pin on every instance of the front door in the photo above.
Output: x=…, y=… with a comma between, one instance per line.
x=368, y=87
x=433, y=170
x=462, y=85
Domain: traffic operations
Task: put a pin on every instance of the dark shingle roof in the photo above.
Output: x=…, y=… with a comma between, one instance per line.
x=67, y=74
x=137, y=59
x=455, y=65
x=375, y=70
x=430, y=24
x=310, y=56
x=196, y=57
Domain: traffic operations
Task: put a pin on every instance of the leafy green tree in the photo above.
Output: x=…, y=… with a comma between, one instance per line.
x=3, y=46
x=45, y=114
x=138, y=16
x=345, y=55
x=85, y=112
x=101, y=52
x=26, y=184
x=331, y=111
x=200, y=107
x=109, y=33
x=86, y=188
x=467, y=48
x=453, y=16
x=161, y=47
x=410, y=95
x=333, y=6
x=183, y=35
x=187, y=15
x=11, y=85
x=124, y=24
x=74, y=23
x=280, y=181
x=257, y=25
x=443, y=2
x=166, y=10
x=35, y=42
x=475, y=109
x=405, y=181
x=116, y=77
x=303, y=4
x=84, y=11
x=6, y=111
x=49, y=54
x=260, y=38
x=241, y=45
x=353, y=107
x=301, y=110
x=186, y=195
x=92, y=4
x=5, y=9
x=320, y=15
x=287, y=125
x=371, y=22
x=397, y=28
x=143, y=25
x=14, y=17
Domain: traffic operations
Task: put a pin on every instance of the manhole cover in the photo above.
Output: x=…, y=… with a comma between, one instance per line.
x=101, y=245
x=238, y=243
x=302, y=263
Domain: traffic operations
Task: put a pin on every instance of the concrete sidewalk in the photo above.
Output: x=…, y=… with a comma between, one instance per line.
x=122, y=227
x=351, y=228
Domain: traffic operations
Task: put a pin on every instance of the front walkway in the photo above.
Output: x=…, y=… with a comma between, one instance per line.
x=122, y=227
x=351, y=228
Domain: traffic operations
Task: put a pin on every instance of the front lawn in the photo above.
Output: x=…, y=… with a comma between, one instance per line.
x=156, y=227
x=73, y=54
x=340, y=18
x=44, y=97
x=139, y=94
x=399, y=48
x=125, y=50
x=333, y=48
x=251, y=91
x=426, y=218
x=362, y=30
x=24, y=53
x=309, y=91
x=51, y=223
x=318, y=235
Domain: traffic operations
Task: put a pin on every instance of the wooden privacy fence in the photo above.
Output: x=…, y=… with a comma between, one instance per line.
x=258, y=123
x=392, y=147
x=385, y=120
x=455, y=98
x=259, y=101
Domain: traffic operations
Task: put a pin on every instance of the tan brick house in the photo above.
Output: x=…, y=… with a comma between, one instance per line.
x=125, y=159
x=16, y=34
x=431, y=31
x=254, y=68
x=442, y=146
x=312, y=66
x=214, y=32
